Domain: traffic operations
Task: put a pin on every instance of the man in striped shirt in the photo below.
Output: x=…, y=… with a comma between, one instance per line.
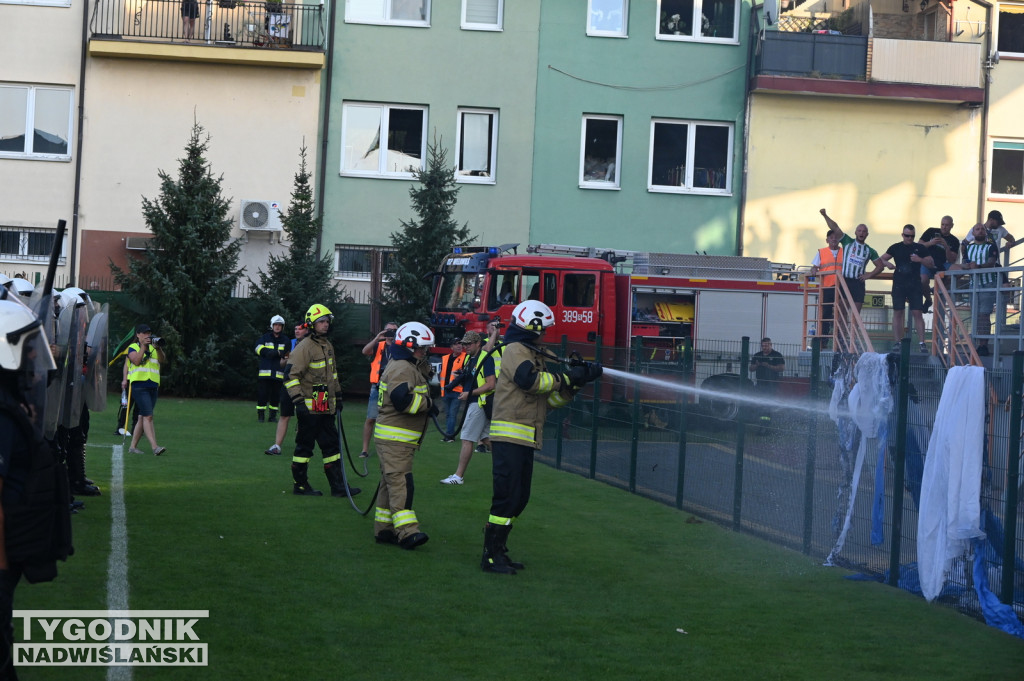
x=982, y=253
x=856, y=255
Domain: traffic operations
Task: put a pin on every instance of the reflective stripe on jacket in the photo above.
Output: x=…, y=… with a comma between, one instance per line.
x=519, y=413
x=449, y=367
x=402, y=426
x=271, y=349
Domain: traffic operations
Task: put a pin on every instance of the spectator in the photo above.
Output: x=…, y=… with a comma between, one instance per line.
x=379, y=349
x=828, y=262
x=943, y=247
x=981, y=253
x=287, y=408
x=451, y=369
x=145, y=356
x=768, y=365
x=856, y=255
x=271, y=348
x=908, y=257
x=996, y=231
x=189, y=12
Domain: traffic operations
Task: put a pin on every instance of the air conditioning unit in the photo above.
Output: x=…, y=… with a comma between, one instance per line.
x=260, y=216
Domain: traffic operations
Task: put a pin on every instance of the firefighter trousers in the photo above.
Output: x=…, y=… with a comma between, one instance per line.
x=512, y=467
x=394, y=499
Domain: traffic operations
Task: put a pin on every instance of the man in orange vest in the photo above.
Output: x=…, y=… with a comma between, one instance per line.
x=379, y=352
x=828, y=262
x=451, y=367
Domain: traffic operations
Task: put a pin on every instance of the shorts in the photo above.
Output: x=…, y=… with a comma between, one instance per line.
x=857, y=289
x=476, y=426
x=144, y=394
x=930, y=271
x=986, y=301
x=907, y=295
x=372, y=409
x=287, y=407
x=189, y=9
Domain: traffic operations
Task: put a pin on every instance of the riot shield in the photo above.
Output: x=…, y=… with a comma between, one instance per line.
x=36, y=362
x=98, y=341
x=44, y=307
x=73, y=321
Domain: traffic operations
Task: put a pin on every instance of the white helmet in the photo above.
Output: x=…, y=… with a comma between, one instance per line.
x=414, y=335
x=74, y=290
x=277, y=319
x=533, y=315
x=4, y=279
x=73, y=297
x=18, y=326
x=22, y=287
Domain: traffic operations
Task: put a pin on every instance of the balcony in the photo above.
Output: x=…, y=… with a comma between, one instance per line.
x=858, y=54
x=223, y=31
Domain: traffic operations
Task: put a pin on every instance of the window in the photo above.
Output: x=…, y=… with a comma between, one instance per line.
x=482, y=15
x=704, y=20
x=50, y=3
x=691, y=157
x=35, y=122
x=357, y=261
x=579, y=290
x=477, y=144
x=504, y=290
x=600, y=151
x=397, y=12
x=22, y=244
x=1007, y=168
x=608, y=18
x=1011, y=28
x=403, y=129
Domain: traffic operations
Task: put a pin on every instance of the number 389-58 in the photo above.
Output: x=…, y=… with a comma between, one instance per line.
x=578, y=316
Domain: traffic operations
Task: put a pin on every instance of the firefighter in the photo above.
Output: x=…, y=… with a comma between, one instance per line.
x=312, y=384
x=405, y=404
x=524, y=390
x=35, y=518
x=271, y=348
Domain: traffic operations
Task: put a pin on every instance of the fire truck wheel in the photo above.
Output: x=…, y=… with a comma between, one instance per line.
x=716, y=403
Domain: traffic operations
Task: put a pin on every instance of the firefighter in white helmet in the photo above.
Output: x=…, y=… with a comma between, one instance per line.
x=405, y=405
x=271, y=348
x=312, y=384
x=524, y=390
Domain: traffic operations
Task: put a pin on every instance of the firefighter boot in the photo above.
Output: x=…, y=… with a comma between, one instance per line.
x=333, y=472
x=516, y=565
x=494, y=560
x=301, y=486
x=260, y=413
x=272, y=417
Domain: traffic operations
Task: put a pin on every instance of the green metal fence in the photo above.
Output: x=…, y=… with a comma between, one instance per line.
x=777, y=468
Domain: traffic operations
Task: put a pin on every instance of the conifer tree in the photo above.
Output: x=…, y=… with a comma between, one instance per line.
x=184, y=282
x=423, y=242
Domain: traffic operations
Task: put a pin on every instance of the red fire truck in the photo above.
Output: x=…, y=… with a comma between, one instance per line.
x=621, y=296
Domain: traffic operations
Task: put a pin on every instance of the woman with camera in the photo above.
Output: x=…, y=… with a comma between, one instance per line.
x=145, y=356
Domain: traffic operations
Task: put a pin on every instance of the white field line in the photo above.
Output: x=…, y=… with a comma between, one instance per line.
x=117, y=568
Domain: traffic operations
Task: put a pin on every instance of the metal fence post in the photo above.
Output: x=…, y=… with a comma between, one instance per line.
x=1012, y=480
x=635, y=434
x=812, y=444
x=899, y=461
x=741, y=436
x=687, y=376
x=560, y=421
x=595, y=408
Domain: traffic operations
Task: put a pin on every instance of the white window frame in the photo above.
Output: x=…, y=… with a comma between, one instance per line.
x=600, y=184
x=385, y=112
x=353, y=275
x=30, y=115
x=23, y=256
x=385, y=18
x=996, y=12
x=472, y=26
x=596, y=33
x=695, y=22
x=42, y=3
x=1016, y=142
x=691, y=145
x=493, y=160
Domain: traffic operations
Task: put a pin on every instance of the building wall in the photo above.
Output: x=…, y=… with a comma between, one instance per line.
x=883, y=163
x=139, y=118
x=442, y=67
x=638, y=78
x=1006, y=102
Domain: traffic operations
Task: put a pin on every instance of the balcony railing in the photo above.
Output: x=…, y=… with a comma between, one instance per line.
x=813, y=54
x=223, y=23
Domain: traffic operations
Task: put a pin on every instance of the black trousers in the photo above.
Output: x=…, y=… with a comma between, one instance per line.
x=316, y=429
x=513, y=476
x=268, y=391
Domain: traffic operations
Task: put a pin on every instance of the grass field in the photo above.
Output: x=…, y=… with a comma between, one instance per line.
x=297, y=589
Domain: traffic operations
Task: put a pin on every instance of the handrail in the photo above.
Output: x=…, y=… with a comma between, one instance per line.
x=951, y=340
x=849, y=333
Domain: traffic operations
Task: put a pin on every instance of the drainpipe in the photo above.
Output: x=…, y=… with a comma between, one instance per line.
x=78, y=142
x=746, y=129
x=326, y=126
x=983, y=142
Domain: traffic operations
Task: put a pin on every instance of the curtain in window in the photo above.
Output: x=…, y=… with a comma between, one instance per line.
x=482, y=11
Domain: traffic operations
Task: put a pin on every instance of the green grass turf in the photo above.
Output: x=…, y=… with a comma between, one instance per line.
x=297, y=589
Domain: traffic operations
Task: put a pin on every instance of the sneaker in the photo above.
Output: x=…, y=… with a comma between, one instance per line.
x=363, y=455
x=134, y=450
x=452, y=480
x=159, y=450
x=482, y=449
x=447, y=439
x=923, y=347
x=274, y=450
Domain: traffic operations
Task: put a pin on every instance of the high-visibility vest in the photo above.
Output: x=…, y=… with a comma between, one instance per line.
x=830, y=265
x=378, y=363
x=449, y=367
x=149, y=370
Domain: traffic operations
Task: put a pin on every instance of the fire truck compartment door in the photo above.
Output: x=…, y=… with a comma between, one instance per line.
x=729, y=315
x=784, y=318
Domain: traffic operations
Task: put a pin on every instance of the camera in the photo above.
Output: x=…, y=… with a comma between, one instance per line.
x=158, y=341
x=389, y=333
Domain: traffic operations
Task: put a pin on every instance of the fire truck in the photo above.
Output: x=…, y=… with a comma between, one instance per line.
x=623, y=297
